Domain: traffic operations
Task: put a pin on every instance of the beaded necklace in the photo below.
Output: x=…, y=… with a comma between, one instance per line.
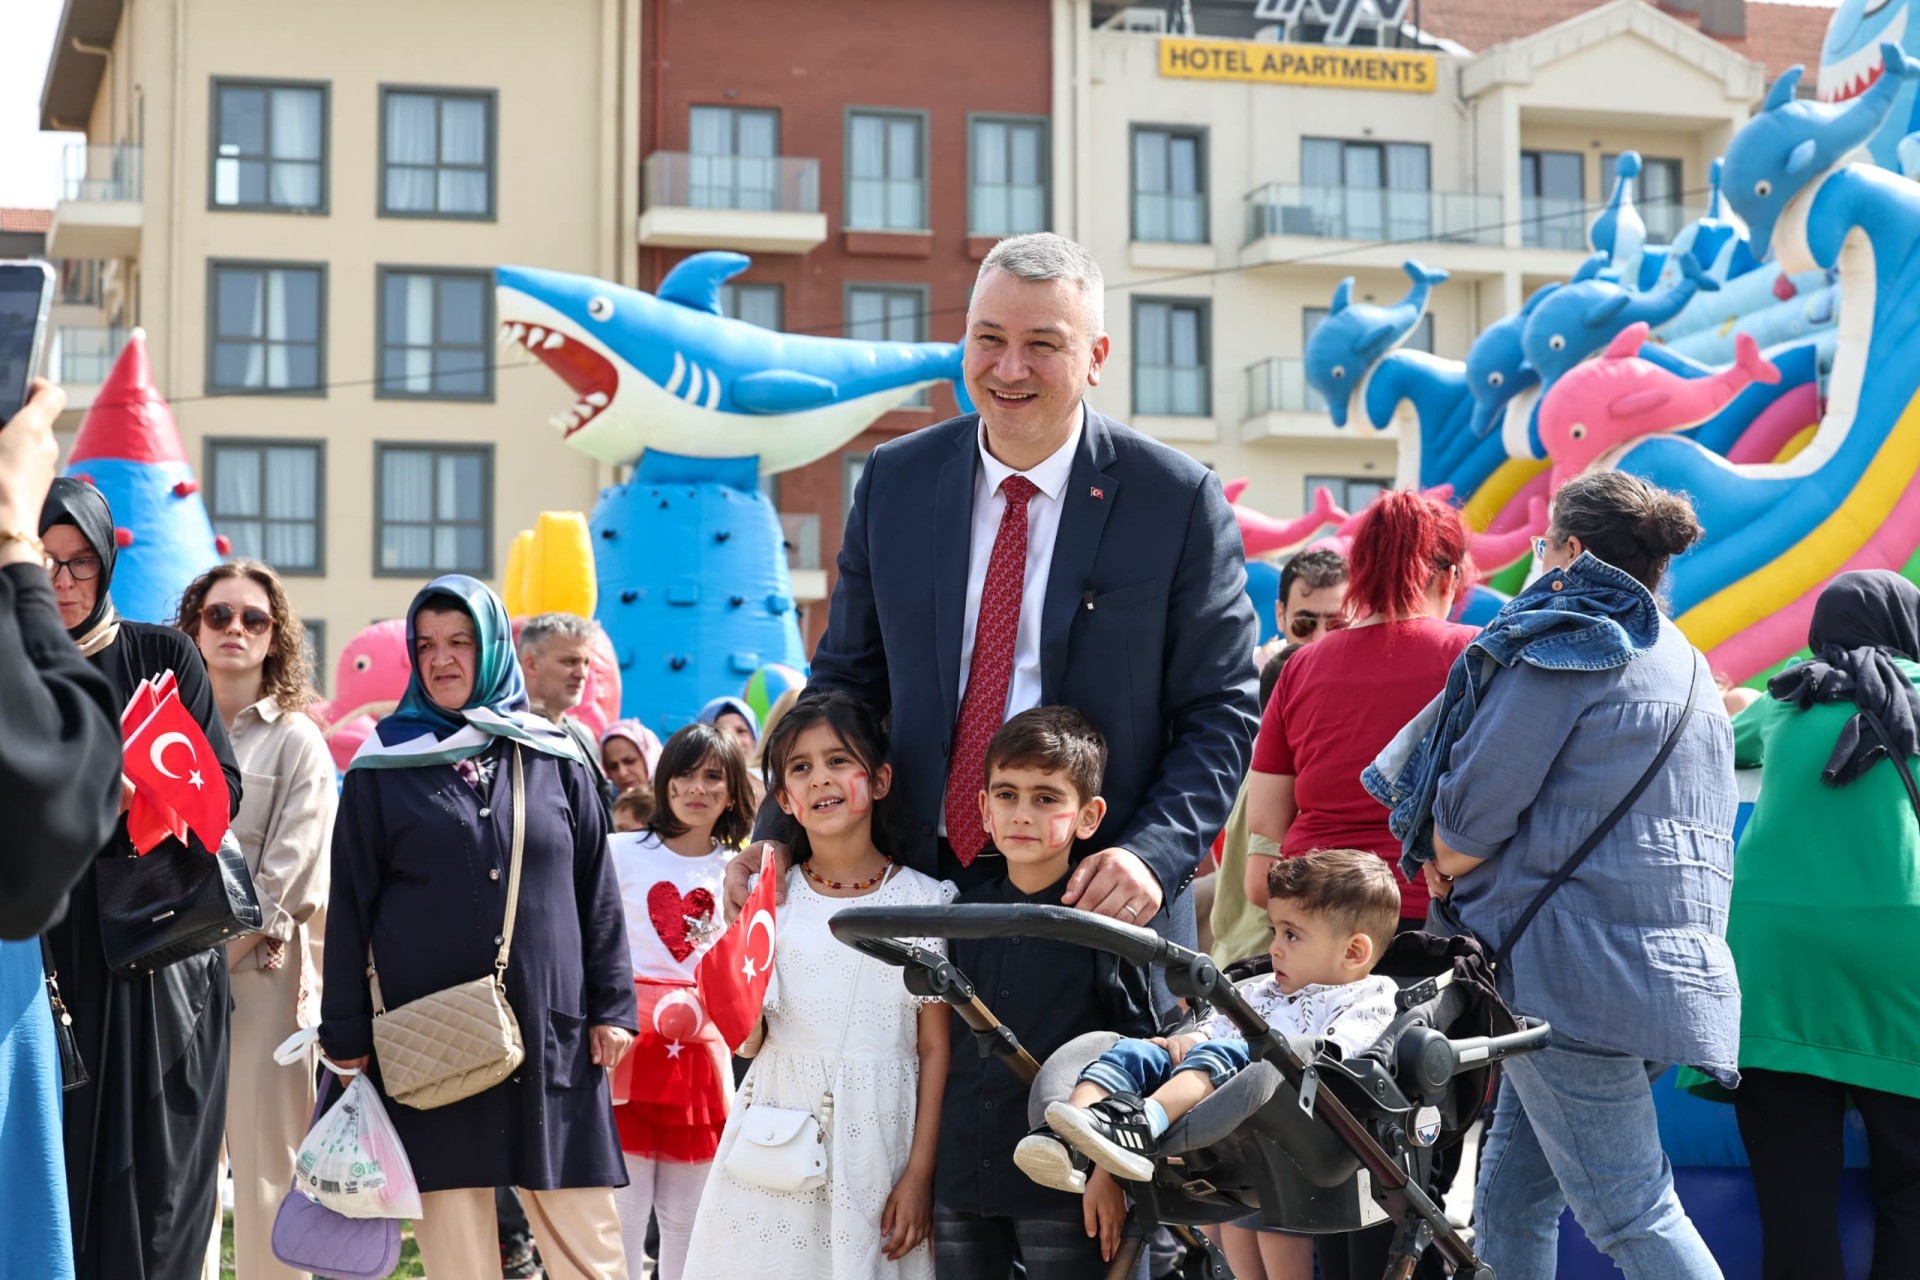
x=855, y=887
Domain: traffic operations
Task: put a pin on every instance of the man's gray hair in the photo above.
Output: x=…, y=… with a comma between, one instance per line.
x=1046, y=256
x=547, y=626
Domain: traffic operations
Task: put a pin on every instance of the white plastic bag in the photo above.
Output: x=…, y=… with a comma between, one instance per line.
x=352, y=1161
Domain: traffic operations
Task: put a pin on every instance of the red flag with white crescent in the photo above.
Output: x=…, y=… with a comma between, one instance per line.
x=732, y=977
x=171, y=764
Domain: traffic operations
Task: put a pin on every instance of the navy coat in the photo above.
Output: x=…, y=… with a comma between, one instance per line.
x=420, y=867
x=1146, y=629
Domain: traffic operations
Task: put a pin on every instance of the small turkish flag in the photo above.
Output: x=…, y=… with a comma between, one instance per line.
x=732, y=977
x=171, y=764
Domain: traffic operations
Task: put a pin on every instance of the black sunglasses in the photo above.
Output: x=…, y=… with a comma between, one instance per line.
x=218, y=617
x=1304, y=624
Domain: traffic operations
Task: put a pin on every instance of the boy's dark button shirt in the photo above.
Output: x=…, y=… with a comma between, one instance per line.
x=1048, y=993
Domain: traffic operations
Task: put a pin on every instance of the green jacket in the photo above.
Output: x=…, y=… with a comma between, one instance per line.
x=1826, y=907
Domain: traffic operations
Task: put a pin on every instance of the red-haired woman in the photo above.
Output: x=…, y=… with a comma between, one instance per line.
x=1338, y=704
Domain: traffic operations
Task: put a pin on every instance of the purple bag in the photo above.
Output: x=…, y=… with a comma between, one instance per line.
x=308, y=1236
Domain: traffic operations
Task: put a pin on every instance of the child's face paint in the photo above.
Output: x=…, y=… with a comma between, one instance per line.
x=860, y=793
x=1060, y=831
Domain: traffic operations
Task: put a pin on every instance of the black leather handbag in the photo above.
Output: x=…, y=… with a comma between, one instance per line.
x=173, y=903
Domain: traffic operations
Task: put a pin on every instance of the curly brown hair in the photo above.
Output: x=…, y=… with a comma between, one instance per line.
x=287, y=674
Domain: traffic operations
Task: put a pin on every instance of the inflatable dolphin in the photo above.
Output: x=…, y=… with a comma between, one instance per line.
x=1619, y=231
x=1619, y=398
x=669, y=373
x=1355, y=335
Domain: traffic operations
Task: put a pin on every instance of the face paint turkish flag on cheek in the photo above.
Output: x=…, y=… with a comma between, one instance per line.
x=172, y=765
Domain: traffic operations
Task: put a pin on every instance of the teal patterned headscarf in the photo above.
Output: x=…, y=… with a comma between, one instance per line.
x=420, y=732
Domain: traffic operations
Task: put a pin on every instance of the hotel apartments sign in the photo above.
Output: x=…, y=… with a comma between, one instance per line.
x=1332, y=66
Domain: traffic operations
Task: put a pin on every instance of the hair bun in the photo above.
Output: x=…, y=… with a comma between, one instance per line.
x=1669, y=525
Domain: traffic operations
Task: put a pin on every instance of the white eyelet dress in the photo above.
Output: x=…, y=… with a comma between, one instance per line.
x=820, y=987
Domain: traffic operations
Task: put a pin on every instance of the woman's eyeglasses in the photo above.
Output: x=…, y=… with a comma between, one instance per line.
x=80, y=568
x=1304, y=623
x=218, y=617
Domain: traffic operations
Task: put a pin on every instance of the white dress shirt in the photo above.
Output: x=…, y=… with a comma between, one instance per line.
x=1043, y=527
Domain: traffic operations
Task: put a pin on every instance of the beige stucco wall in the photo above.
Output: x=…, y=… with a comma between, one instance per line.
x=563, y=201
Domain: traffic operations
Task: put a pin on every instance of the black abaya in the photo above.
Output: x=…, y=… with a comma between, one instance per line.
x=143, y=1136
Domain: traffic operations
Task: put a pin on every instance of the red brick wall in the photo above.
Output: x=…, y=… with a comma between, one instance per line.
x=812, y=61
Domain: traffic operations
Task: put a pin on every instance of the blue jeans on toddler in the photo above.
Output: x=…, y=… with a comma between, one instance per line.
x=1140, y=1066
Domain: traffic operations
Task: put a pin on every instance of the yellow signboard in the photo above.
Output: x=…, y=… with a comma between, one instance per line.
x=1332, y=66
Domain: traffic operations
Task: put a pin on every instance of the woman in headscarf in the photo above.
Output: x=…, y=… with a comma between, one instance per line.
x=736, y=717
x=628, y=753
x=143, y=1134
x=1826, y=907
x=421, y=862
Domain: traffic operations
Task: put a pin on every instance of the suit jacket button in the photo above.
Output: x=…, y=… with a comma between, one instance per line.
x=494, y=874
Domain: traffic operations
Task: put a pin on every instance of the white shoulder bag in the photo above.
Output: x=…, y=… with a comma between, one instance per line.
x=785, y=1148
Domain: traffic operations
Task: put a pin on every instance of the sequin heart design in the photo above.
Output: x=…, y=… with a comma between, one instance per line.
x=669, y=909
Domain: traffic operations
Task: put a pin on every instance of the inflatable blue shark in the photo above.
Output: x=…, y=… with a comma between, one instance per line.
x=1852, y=62
x=671, y=374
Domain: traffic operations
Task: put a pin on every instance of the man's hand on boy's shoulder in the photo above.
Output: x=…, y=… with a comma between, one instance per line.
x=1115, y=883
x=743, y=864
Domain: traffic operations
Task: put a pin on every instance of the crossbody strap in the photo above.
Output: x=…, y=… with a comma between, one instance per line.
x=1899, y=761
x=513, y=888
x=1607, y=824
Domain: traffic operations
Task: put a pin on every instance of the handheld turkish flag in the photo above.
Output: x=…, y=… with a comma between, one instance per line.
x=148, y=821
x=732, y=977
x=173, y=765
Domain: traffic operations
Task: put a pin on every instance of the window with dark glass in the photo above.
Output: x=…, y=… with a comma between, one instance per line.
x=435, y=510
x=265, y=498
x=1007, y=188
x=436, y=153
x=886, y=171
x=434, y=330
x=1170, y=365
x=269, y=146
x=1553, y=199
x=268, y=328
x=1169, y=185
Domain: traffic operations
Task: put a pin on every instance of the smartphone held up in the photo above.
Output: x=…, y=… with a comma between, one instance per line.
x=26, y=298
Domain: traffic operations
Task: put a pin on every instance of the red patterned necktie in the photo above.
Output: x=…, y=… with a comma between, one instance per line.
x=984, y=707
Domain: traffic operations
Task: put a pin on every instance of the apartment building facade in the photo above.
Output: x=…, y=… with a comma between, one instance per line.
x=301, y=206
x=1259, y=177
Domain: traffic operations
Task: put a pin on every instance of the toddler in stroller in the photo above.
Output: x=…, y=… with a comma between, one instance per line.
x=1306, y=1140
x=1333, y=913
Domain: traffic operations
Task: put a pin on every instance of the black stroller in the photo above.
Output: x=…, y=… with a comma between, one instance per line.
x=1308, y=1141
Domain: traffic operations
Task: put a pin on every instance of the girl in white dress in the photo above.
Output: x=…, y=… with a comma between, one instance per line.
x=838, y=1023
x=673, y=1086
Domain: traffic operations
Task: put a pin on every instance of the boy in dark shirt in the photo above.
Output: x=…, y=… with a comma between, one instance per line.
x=1043, y=774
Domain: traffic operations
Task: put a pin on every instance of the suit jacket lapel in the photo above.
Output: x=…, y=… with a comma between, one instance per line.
x=952, y=541
x=1090, y=494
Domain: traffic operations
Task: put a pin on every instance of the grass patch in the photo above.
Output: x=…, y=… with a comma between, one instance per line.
x=409, y=1268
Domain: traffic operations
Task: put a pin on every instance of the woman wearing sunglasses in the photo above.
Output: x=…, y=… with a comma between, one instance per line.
x=255, y=650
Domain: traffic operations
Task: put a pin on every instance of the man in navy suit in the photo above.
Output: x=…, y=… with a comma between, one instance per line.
x=1121, y=593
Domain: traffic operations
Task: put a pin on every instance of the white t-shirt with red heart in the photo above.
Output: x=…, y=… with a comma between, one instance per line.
x=673, y=904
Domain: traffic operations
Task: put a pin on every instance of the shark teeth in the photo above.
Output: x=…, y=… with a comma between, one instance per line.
x=1854, y=74
x=538, y=338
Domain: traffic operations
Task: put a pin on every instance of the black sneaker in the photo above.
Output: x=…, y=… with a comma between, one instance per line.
x=518, y=1261
x=1050, y=1162
x=1113, y=1133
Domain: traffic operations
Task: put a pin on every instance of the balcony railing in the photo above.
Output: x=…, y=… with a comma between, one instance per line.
x=766, y=184
x=1553, y=223
x=1167, y=217
x=801, y=532
x=1372, y=213
x=91, y=172
x=1665, y=219
x=82, y=354
x=1280, y=386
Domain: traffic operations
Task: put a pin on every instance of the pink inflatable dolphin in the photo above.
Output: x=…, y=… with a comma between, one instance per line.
x=1618, y=398
x=1262, y=533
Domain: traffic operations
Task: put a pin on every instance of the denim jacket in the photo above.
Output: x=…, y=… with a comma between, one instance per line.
x=1588, y=616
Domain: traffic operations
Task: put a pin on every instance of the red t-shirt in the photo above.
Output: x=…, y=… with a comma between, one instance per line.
x=1339, y=703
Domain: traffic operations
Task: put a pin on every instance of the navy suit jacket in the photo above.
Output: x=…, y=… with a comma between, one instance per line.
x=1146, y=629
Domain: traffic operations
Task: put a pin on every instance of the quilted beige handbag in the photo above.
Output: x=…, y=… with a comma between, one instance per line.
x=461, y=1040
